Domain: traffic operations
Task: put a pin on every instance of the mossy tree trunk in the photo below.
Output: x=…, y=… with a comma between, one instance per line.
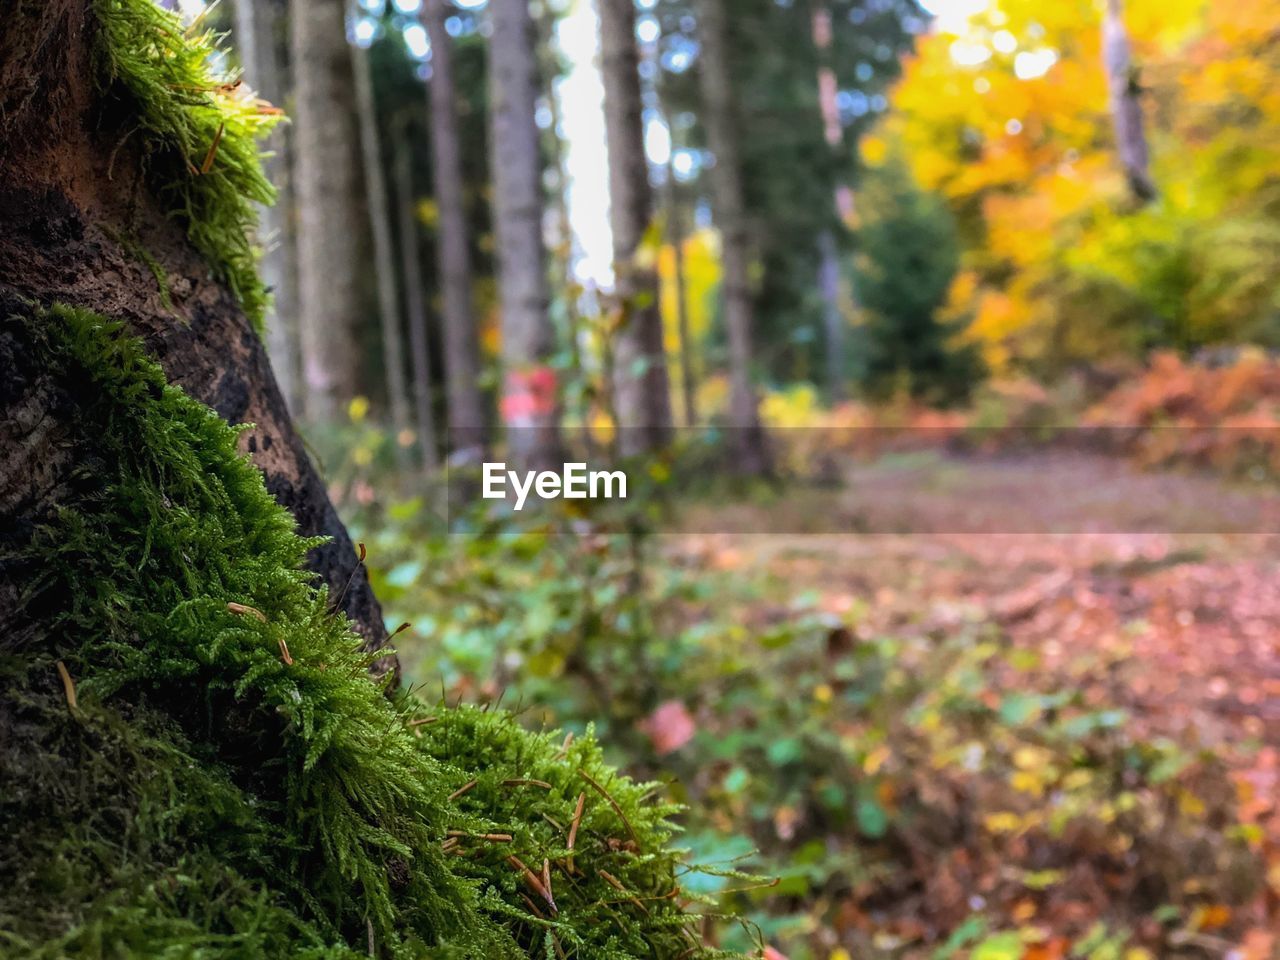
x=84, y=221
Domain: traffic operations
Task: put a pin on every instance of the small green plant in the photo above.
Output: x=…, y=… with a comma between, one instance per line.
x=908, y=791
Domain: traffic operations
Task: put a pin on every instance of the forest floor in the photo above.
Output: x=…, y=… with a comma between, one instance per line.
x=1160, y=577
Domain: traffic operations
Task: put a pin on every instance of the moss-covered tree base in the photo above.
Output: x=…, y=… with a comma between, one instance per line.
x=194, y=761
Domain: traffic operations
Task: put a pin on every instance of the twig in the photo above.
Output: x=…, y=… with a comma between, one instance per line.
x=577, y=819
x=243, y=609
x=533, y=907
x=528, y=783
x=462, y=789
x=613, y=803
x=213, y=152
x=68, y=687
x=534, y=883
x=492, y=837
x=617, y=885
x=573, y=827
x=564, y=747
x=546, y=880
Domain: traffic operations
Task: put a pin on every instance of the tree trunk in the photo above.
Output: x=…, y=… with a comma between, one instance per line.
x=81, y=224
x=676, y=238
x=642, y=390
x=832, y=316
x=329, y=192
x=384, y=253
x=260, y=25
x=453, y=251
x=415, y=302
x=1124, y=94
x=530, y=392
x=830, y=282
x=730, y=211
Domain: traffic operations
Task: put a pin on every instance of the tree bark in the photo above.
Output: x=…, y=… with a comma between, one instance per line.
x=71, y=190
x=642, y=389
x=676, y=238
x=716, y=78
x=829, y=278
x=415, y=302
x=260, y=24
x=384, y=253
x=530, y=392
x=453, y=251
x=329, y=194
x=1125, y=94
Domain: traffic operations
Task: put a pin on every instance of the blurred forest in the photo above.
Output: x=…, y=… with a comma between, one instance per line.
x=939, y=338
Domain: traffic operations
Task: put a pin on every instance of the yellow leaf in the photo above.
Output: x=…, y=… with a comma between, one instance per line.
x=876, y=759
x=1004, y=822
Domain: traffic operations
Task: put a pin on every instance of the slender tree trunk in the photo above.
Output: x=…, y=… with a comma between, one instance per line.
x=453, y=250
x=832, y=316
x=833, y=287
x=329, y=191
x=384, y=254
x=676, y=238
x=70, y=193
x=1126, y=104
x=530, y=401
x=260, y=25
x=642, y=389
x=730, y=210
x=415, y=302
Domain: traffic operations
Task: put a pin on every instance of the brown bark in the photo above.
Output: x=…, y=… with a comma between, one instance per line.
x=829, y=279
x=730, y=213
x=530, y=392
x=70, y=190
x=642, y=390
x=676, y=238
x=260, y=25
x=330, y=223
x=384, y=253
x=415, y=303
x=453, y=251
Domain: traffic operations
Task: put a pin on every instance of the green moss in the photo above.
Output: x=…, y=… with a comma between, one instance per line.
x=213, y=795
x=197, y=136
